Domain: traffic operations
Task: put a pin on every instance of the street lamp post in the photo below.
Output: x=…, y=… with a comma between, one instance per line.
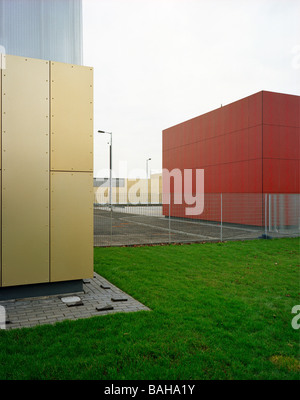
x=110, y=167
x=147, y=166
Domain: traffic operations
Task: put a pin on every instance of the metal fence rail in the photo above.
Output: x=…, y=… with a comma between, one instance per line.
x=225, y=216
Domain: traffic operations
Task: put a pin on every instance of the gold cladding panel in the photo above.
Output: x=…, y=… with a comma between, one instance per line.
x=0, y=166
x=71, y=221
x=25, y=174
x=0, y=237
x=2, y=64
x=71, y=117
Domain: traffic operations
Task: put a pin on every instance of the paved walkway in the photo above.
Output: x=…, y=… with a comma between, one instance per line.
x=99, y=297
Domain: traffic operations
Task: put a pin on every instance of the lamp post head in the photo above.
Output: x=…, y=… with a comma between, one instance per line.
x=105, y=132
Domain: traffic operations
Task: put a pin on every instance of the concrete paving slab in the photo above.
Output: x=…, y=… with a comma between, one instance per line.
x=95, y=300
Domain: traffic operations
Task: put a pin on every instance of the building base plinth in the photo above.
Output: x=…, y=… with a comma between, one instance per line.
x=40, y=289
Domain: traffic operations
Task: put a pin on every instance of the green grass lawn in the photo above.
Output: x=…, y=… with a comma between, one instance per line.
x=219, y=311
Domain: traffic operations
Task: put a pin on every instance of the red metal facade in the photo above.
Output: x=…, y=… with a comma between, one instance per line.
x=281, y=123
x=250, y=146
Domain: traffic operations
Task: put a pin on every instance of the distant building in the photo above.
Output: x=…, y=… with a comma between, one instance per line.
x=129, y=191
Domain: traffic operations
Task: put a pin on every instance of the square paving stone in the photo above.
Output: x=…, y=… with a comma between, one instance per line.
x=106, y=307
x=119, y=298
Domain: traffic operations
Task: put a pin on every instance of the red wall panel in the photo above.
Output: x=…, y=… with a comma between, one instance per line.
x=255, y=180
x=249, y=146
x=280, y=176
x=281, y=142
x=255, y=142
x=255, y=109
x=280, y=109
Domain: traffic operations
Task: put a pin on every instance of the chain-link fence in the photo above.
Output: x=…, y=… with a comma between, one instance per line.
x=197, y=218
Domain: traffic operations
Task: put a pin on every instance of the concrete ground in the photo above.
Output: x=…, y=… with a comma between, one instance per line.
x=146, y=225
x=134, y=225
x=97, y=298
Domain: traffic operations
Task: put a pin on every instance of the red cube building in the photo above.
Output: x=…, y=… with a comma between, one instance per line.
x=247, y=149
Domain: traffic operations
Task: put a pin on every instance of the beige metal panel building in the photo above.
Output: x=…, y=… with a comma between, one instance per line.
x=71, y=224
x=71, y=143
x=25, y=171
x=1, y=56
x=71, y=117
x=31, y=234
x=2, y=63
x=1, y=232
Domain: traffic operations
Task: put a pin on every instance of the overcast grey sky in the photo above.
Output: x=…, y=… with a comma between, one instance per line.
x=160, y=62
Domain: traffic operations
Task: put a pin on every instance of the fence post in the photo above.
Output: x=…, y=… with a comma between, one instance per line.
x=266, y=200
x=111, y=224
x=270, y=220
x=275, y=212
x=221, y=218
x=169, y=217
